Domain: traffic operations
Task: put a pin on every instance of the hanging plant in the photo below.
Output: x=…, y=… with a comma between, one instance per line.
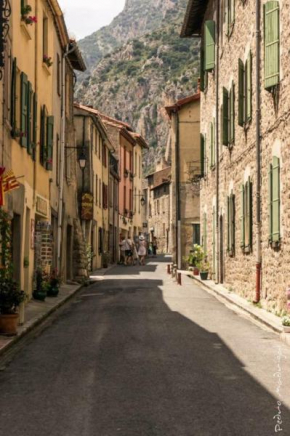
x=47, y=60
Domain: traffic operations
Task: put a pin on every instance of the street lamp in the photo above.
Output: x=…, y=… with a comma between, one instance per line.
x=82, y=160
x=143, y=201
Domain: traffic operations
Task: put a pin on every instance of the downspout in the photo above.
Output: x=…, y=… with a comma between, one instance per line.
x=36, y=91
x=218, y=273
x=62, y=157
x=177, y=190
x=258, y=152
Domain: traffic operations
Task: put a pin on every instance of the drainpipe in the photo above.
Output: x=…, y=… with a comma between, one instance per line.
x=218, y=273
x=258, y=151
x=62, y=157
x=177, y=191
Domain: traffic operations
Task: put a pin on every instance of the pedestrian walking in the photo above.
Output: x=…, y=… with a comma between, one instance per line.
x=122, y=250
x=154, y=246
x=142, y=250
x=128, y=251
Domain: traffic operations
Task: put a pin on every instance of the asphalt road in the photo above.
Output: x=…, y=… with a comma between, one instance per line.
x=136, y=355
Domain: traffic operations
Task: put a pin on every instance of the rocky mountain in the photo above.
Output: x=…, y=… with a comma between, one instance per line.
x=138, y=65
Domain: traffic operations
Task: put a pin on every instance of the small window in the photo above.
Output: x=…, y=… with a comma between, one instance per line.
x=96, y=190
x=228, y=116
x=274, y=202
x=245, y=91
x=246, y=216
x=44, y=36
x=196, y=234
x=231, y=224
x=212, y=144
x=230, y=16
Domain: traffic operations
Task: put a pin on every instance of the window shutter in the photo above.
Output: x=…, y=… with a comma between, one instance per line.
x=270, y=202
x=202, y=72
x=232, y=217
x=230, y=15
x=248, y=215
x=213, y=240
x=229, y=225
x=34, y=126
x=209, y=45
x=43, y=137
x=13, y=96
x=225, y=117
x=23, y=109
x=242, y=217
x=232, y=114
x=249, y=87
x=241, y=92
x=204, y=233
x=202, y=172
x=29, y=117
x=50, y=125
x=272, y=42
x=276, y=200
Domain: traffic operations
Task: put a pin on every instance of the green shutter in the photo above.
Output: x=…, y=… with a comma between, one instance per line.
x=276, y=200
x=13, y=96
x=202, y=72
x=29, y=118
x=249, y=87
x=225, y=117
x=272, y=42
x=242, y=216
x=248, y=215
x=202, y=172
x=43, y=137
x=34, y=126
x=232, y=114
x=50, y=123
x=230, y=15
x=241, y=92
x=229, y=225
x=23, y=109
x=209, y=45
x=270, y=202
x=232, y=217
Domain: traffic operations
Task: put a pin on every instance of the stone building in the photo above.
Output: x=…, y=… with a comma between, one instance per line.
x=184, y=152
x=245, y=128
x=158, y=205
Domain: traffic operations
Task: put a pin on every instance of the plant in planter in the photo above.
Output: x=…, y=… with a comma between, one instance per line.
x=28, y=19
x=106, y=259
x=195, y=257
x=204, y=270
x=42, y=285
x=286, y=324
x=47, y=60
x=54, y=284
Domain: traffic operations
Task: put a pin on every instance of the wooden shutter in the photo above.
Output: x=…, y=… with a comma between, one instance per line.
x=29, y=118
x=276, y=200
x=34, y=139
x=230, y=15
x=249, y=87
x=232, y=224
x=13, y=96
x=270, y=202
x=225, y=117
x=232, y=114
x=242, y=216
x=202, y=72
x=272, y=43
x=209, y=45
x=50, y=125
x=23, y=109
x=248, y=215
x=241, y=92
x=202, y=155
x=43, y=137
x=229, y=225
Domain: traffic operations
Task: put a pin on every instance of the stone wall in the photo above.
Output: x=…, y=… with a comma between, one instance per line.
x=239, y=162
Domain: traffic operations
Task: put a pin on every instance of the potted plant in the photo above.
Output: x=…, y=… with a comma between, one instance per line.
x=204, y=270
x=54, y=284
x=106, y=259
x=47, y=60
x=195, y=257
x=10, y=299
x=42, y=286
x=286, y=324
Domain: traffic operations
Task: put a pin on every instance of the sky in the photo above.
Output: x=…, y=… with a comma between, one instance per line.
x=84, y=17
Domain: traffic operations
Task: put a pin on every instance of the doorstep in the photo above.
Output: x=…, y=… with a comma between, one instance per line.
x=258, y=314
x=36, y=312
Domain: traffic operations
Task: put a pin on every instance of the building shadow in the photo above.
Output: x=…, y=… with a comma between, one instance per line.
x=120, y=362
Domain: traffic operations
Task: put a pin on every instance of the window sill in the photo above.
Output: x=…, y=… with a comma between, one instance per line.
x=26, y=30
x=276, y=245
x=47, y=70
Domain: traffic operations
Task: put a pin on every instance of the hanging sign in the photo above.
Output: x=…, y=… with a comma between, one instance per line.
x=87, y=212
x=8, y=182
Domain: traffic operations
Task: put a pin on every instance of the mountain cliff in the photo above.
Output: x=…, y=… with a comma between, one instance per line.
x=139, y=64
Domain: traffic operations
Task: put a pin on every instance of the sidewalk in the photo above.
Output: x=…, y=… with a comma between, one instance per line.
x=258, y=314
x=36, y=312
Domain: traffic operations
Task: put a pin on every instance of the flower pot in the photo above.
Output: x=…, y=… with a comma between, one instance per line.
x=286, y=328
x=195, y=271
x=53, y=291
x=8, y=324
x=203, y=275
x=39, y=295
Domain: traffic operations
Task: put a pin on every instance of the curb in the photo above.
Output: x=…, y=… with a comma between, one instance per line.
x=222, y=296
x=37, y=321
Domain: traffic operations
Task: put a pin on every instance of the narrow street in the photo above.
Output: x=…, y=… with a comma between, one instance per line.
x=134, y=355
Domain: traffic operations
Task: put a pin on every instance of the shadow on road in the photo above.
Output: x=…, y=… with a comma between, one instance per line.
x=120, y=362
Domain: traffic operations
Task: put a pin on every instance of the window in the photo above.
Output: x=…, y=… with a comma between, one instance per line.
x=34, y=138
x=135, y=195
x=24, y=109
x=202, y=155
x=57, y=161
x=245, y=91
x=58, y=74
x=204, y=234
x=131, y=200
x=125, y=200
x=231, y=224
x=203, y=73
x=45, y=36
x=209, y=39
x=212, y=144
x=105, y=196
x=100, y=192
x=228, y=116
x=104, y=155
x=196, y=234
x=13, y=96
x=100, y=240
x=96, y=192
x=158, y=207
x=274, y=202
x=272, y=44
x=230, y=16
x=246, y=216
x=131, y=161
x=43, y=135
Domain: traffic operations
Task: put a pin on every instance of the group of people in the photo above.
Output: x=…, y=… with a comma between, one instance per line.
x=133, y=252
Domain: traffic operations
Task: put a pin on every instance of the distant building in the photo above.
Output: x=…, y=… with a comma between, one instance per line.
x=184, y=152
